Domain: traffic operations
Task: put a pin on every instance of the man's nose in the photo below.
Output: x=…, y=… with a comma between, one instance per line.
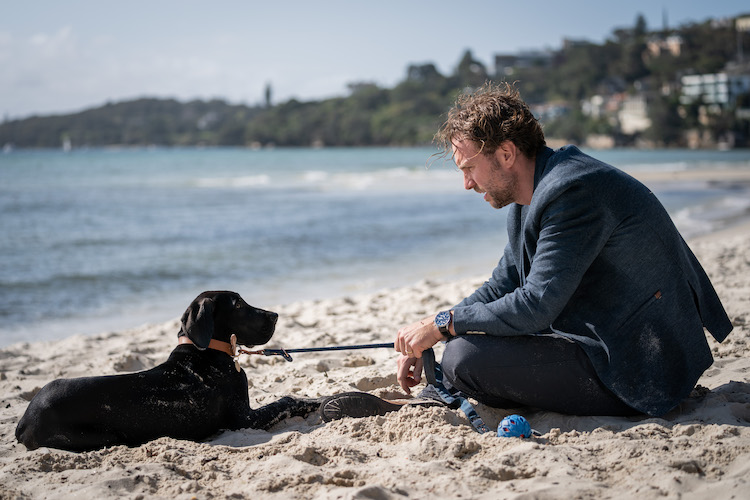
x=468, y=182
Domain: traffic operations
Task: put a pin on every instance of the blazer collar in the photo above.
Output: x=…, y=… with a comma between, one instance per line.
x=541, y=164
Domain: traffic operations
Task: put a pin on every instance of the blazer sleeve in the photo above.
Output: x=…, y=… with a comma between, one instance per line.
x=572, y=229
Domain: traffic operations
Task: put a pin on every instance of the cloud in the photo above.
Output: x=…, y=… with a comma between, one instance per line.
x=51, y=45
x=42, y=69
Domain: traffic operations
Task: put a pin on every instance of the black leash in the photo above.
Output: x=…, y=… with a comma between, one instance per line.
x=433, y=372
x=285, y=352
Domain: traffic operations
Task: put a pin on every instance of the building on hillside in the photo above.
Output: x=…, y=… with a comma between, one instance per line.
x=659, y=45
x=627, y=113
x=603, y=105
x=718, y=90
x=633, y=114
x=593, y=106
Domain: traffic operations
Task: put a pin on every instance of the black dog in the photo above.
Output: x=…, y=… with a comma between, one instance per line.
x=194, y=394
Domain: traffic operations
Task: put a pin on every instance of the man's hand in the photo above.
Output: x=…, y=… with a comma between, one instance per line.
x=411, y=341
x=409, y=372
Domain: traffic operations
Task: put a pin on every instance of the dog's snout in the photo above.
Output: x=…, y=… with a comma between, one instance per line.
x=273, y=317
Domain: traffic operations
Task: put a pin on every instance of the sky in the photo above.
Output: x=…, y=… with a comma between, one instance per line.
x=66, y=56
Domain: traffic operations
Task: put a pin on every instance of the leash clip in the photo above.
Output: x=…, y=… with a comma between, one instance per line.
x=268, y=352
x=235, y=353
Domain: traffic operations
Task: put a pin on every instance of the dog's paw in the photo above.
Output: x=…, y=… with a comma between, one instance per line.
x=301, y=406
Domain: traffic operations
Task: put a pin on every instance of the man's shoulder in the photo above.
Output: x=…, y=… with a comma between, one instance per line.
x=571, y=175
x=576, y=161
x=569, y=165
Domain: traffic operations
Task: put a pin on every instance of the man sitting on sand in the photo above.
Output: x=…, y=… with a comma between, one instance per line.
x=597, y=306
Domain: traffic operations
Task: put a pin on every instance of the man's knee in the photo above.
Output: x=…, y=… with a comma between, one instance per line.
x=456, y=358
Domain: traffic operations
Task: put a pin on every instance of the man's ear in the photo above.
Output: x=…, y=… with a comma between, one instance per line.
x=506, y=154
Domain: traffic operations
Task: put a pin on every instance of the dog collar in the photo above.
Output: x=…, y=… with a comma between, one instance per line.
x=216, y=345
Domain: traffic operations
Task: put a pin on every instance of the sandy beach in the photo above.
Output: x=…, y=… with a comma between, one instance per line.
x=699, y=450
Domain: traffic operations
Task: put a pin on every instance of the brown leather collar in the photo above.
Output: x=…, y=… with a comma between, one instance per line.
x=216, y=345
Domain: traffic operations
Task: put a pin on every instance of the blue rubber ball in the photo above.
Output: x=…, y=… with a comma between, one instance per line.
x=514, y=426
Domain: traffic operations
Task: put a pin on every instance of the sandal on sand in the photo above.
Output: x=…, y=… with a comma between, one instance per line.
x=362, y=404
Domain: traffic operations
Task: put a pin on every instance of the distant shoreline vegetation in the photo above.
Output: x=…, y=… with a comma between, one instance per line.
x=628, y=91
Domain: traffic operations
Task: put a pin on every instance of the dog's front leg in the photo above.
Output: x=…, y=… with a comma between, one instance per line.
x=269, y=415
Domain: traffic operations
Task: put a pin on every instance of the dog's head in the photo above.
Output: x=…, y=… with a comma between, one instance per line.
x=218, y=315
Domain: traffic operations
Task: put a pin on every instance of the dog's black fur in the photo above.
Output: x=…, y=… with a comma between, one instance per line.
x=193, y=395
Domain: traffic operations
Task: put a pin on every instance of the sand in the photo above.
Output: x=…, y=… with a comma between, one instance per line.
x=699, y=450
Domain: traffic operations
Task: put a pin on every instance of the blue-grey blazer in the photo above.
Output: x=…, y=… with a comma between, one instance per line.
x=596, y=258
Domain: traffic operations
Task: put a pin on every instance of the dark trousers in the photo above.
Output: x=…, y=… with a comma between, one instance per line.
x=545, y=372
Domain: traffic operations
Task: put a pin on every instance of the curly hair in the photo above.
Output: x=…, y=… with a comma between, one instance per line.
x=491, y=115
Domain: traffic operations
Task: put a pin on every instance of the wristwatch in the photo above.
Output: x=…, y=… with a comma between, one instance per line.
x=443, y=321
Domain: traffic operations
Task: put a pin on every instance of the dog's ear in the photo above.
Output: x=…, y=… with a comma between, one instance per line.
x=198, y=322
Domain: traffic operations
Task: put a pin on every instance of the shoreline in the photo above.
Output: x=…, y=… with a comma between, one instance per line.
x=726, y=175
x=700, y=450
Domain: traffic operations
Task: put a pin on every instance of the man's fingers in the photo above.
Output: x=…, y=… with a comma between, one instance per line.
x=409, y=373
x=405, y=386
x=400, y=343
x=402, y=373
x=418, y=367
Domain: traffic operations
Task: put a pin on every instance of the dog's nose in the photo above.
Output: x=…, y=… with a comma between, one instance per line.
x=273, y=317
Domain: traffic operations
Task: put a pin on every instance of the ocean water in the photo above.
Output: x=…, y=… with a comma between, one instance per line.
x=100, y=240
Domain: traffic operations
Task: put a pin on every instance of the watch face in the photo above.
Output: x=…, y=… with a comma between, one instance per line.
x=443, y=319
